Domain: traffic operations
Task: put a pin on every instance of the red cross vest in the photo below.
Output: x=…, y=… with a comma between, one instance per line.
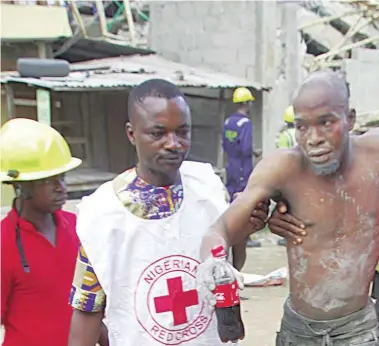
x=147, y=267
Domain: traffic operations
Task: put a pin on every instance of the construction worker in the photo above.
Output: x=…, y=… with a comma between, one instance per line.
x=287, y=138
x=38, y=240
x=237, y=142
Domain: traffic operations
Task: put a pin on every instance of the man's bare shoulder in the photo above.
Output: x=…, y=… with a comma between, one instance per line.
x=369, y=140
x=284, y=156
x=367, y=149
x=278, y=166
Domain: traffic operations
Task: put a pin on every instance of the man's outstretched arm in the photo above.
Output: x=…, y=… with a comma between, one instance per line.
x=230, y=228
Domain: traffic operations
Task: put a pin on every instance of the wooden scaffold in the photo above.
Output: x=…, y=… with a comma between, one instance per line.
x=365, y=14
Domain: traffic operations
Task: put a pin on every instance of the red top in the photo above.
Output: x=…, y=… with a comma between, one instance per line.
x=34, y=305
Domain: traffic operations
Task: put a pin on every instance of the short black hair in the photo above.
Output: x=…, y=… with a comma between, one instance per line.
x=160, y=88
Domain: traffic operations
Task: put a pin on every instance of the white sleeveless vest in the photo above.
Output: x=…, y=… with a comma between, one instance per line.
x=147, y=267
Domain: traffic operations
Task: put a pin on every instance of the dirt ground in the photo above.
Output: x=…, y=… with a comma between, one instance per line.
x=263, y=309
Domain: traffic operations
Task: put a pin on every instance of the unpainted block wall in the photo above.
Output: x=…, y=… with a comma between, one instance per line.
x=218, y=34
x=215, y=34
x=362, y=73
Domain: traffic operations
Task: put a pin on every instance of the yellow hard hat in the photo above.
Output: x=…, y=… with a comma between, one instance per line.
x=31, y=150
x=242, y=95
x=289, y=115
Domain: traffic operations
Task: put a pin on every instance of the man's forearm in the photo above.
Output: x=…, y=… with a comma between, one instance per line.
x=85, y=328
x=239, y=255
x=230, y=228
x=103, y=339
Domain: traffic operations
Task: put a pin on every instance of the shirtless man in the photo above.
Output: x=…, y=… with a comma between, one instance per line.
x=331, y=181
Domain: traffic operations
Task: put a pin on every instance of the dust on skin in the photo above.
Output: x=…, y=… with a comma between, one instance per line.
x=341, y=271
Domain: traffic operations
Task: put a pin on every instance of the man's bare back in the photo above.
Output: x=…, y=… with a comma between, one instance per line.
x=330, y=272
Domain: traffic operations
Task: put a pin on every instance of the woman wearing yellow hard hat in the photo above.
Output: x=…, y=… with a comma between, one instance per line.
x=38, y=240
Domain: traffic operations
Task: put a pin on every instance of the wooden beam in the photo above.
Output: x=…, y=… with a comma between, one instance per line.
x=102, y=18
x=348, y=47
x=129, y=19
x=354, y=29
x=42, y=51
x=221, y=113
x=79, y=18
x=327, y=20
x=76, y=140
x=10, y=104
x=24, y=102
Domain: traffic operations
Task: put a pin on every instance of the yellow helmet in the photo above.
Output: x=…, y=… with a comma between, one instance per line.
x=242, y=95
x=289, y=115
x=31, y=150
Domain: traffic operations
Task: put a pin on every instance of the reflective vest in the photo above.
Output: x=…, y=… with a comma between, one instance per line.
x=286, y=139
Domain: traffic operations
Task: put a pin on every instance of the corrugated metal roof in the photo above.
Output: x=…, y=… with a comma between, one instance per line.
x=130, y=71
x=86, y=48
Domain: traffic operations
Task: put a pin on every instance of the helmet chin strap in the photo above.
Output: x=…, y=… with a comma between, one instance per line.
x=21, y=195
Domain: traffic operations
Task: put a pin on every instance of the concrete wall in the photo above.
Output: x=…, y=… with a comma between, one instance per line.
x=218, y=35
x=362, y=73
x=251, y=39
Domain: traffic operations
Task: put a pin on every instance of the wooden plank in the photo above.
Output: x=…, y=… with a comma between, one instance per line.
x=221, y=114
x=79, y=18
x=102, y=18
x=98, y=130
x=130, y=21
x=82, y=179
x=10, y=102
x=64, y=123
x=86, y=127
x=71, y=112
x=120, y=150
x=76, y=140
x=24, y=102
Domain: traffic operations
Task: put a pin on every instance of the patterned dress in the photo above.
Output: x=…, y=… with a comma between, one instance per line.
x=143, y=200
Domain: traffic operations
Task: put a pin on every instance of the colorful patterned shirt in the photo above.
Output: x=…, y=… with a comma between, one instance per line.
x=143, y=200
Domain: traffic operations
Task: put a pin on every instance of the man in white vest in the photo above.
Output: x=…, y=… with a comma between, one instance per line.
x=141, y=233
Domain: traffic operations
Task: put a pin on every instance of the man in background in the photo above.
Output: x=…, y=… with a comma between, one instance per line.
x=287, y=139
x=237, y=142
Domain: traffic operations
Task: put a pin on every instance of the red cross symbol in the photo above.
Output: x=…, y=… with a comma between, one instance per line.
x=176, y=301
